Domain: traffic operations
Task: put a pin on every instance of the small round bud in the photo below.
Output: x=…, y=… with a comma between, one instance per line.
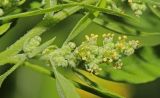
x=72, y=45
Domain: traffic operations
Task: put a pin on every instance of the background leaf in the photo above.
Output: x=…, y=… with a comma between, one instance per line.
x=140, y=68
x=7, y=73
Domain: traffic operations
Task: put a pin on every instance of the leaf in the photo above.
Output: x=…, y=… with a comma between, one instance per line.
x=8, y=72
x=37, y=12
x=137, y=69
x=152, y=2
x=49, y=4
x=145, y=38
x=84, y=22
x=154, y=10
x=41, y=48
x=81, y=25
x=108, y=11
x=85, y=79
x=98, y=92
x=4, y=28
x=64, y=87
x=18, y=30
x=102, y=93
x=108, y=25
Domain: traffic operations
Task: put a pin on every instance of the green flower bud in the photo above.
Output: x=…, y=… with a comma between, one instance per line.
x=134, y=44
x=72, y=45
x=129, y=51
x=138, y=12
x=59, y=61
x=138, y=8
x=134, y=6
x=32, y=44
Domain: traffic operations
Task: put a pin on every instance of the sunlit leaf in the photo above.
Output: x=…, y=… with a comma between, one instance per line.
x=4, y=28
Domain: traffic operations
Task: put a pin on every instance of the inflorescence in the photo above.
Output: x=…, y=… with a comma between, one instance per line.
x=89, y=54
x=137, y=6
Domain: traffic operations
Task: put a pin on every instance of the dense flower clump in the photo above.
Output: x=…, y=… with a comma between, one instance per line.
x=32, y=44
x=110, y=52
x=89, y=54
x=137, y=6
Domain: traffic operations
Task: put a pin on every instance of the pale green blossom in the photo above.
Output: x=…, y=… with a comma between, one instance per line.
x=89, y=54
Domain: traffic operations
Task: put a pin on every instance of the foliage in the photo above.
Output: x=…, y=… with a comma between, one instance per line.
x=135, y=19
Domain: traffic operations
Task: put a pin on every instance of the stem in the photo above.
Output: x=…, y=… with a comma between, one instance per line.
x=38, y=68
x=98, y=92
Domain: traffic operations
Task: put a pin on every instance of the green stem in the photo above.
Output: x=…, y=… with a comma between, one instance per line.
x=38, y=68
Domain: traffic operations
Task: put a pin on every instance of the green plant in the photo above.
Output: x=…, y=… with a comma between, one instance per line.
x=104, y=59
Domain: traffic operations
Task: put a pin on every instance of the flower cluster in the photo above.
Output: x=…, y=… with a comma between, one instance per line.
x=89, y=54
x=112, y=5
x=32, y=44
x=63, y=56
x=137, y=7
x=110, y=52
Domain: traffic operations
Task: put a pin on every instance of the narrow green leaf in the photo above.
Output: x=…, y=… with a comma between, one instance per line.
x=64, y=87
x=85, y=79
x=81, y=25
x=85, y=21
x=50, y=4
x=108, y=11
x=106, y=25
x=154, y=10
x=38, y=12
x=152, y=2
x=102, y=93
x=7, y=73
x=4, y=28
x=41, y=48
